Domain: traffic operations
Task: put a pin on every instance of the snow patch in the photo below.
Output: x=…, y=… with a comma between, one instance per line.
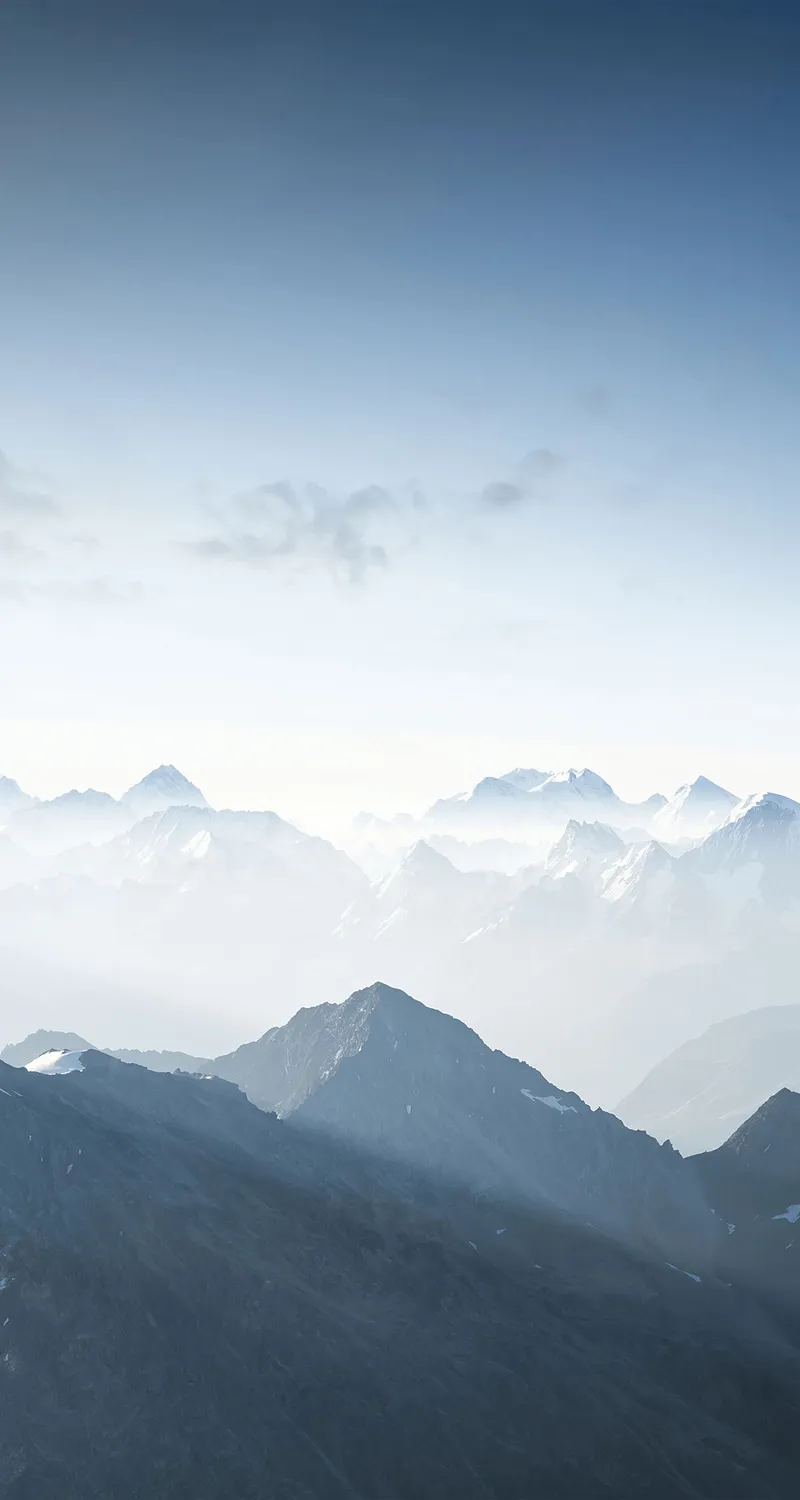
x=792, y=1214
x=56, y=1062
x=199, y=845
x=681, y=1271
x=551, y=1101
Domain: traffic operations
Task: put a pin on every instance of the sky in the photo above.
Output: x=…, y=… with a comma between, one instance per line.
x=391, y=394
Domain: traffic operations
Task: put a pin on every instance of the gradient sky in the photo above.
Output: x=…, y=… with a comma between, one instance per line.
x=394, y=393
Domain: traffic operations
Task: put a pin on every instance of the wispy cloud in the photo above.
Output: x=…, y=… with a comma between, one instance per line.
x=596, y=401
x=14, y=550
x=19, y=499
x=101, y=591
x=527, y=481
x=350, y=535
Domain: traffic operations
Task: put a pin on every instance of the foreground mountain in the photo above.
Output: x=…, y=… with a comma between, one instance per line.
x=384, y=1072
x=753, y=1184
x=200, y=1299
x=709, y=1086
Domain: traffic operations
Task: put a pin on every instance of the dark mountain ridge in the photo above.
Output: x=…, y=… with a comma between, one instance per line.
x=387, y=1073
x=753, y=1184
x=201, y=1299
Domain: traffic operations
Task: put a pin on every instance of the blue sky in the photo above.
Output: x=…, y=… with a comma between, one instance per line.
x=390, y=393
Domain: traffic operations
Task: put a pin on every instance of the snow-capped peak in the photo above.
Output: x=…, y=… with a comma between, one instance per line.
x=56, y=1062
x=583, y=846
x=627, y=877
x=696, y=809
x=164, y=787
x=769, y=804
x=525, y=780
x=583, y=783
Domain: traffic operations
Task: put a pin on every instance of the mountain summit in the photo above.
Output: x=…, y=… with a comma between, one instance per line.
x=390, y=1075
x=163, y=788
x=696, y=809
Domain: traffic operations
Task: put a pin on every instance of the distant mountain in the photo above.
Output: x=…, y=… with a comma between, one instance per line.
x=533, y=800
x=489, y=800
x=162, y=1061
x=22, y=1054
x=426, y=901
x=752, y=862
x=12, y=799
x=388, y=1074
x=709, y=1086
x=201, y=1299
x=16, y=865
x=753, y=1184
x=695, y=811
x=641, y=882
x=160, y=789
x=680, y=988
x=501, y=856
x=523, y=780
x=19, y=1054
x=47, y=828
x=191, y=847
x=584, y=849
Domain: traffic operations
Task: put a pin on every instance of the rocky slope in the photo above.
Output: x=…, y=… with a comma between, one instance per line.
x=199, y=1299
x=387, y=1073
x=753, y=1184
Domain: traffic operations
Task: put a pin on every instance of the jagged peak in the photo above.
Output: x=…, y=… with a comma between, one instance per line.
x=769, y=804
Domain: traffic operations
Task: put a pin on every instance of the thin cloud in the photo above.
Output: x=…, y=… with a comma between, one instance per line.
x=348, y=535
x=14, y=550
x=19, y=500
x=501, y=494
x=596, y=401
x=526, y=482
x=103, y=591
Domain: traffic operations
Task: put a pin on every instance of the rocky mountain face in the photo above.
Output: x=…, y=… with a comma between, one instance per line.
x=197, y=1298
x=753, y=1184
x=388, y=1074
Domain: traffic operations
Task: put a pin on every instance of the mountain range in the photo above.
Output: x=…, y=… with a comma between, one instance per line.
x=384, y=1073
x=595, y=941
x=385, y=1283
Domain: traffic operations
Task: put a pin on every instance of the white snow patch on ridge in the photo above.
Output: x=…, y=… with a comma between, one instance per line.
x=792, y=1213
x=199, y=845
x=56, y=1062
x=681, y=1271
x=551, y=1101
